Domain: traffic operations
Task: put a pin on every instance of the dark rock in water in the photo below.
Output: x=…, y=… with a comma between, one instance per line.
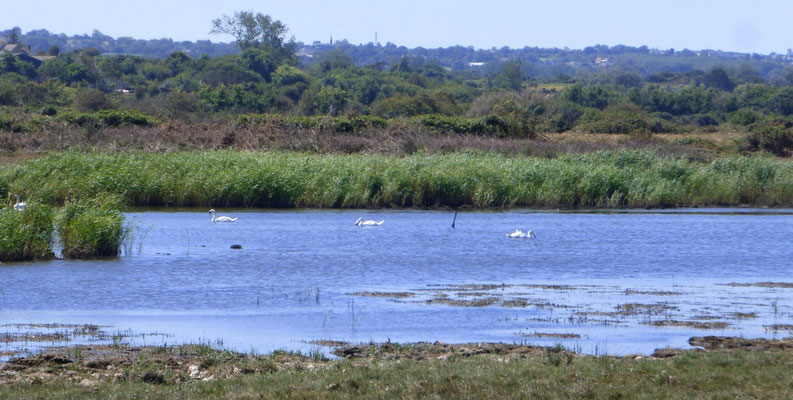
x=236, y=246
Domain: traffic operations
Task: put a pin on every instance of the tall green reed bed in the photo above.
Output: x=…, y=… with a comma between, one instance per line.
x=626, y=178
x=26, y=235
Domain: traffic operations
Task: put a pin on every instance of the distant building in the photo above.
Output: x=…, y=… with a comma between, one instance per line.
x=23, y=53
x=602, y=62
x=475, y=64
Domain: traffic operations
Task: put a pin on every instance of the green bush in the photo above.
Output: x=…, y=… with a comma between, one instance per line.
x=744, y=117
x=6, y=121
x=774, y=135
x=93, y=100
x=340, y=124
x=563, y=116
x=490, y=125
x=49, y=111
x=622, y=118
x=111, y=118
x=705, y=120
x=26, y=235
x=91, y=228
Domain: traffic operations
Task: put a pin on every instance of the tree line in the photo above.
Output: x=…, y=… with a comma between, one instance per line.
x=266, y=76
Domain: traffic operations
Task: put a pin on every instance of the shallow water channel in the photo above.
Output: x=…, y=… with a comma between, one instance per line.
x=605, y=283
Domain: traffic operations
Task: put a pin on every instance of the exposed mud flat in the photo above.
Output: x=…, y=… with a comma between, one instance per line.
x=779, y=327
x=397, y=295
x=691, y=324
x=551, y=335
x=786, y=285
x=329, y=343
x=761, y=308
x=89, y=365
x=22, y=339
x=464, y=303
x=629, y=292
x=421, y=351
x=727, y=343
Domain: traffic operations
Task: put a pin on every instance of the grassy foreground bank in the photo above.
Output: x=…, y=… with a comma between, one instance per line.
x=627, y=178
x=759, y=369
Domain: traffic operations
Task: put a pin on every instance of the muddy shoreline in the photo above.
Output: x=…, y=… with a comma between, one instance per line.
x=92, y=364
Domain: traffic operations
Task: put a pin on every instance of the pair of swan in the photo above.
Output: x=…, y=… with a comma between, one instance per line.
x=221, y=219
x=518, y=234
x=20, y=205
x=368, y=222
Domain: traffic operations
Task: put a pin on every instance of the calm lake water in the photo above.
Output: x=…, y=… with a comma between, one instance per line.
x=615, y=283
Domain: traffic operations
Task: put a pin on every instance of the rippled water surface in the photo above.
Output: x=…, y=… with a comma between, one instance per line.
x=612, y=282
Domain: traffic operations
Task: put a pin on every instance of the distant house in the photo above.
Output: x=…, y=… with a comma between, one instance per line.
x=602, y=62
x=23, y=53
x=475, y=64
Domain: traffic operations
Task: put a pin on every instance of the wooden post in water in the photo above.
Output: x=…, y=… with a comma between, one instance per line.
x=455, y=220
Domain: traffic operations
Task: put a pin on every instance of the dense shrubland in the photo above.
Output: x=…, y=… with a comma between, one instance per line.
x=266, y=84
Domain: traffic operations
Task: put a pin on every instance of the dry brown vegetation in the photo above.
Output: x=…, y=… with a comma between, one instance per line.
x=396, y=139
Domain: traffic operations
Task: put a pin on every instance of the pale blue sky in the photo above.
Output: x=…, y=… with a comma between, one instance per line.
x=759, y=26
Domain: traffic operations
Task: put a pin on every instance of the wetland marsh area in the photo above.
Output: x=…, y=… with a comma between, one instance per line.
x=599, y=304
x=653, y=189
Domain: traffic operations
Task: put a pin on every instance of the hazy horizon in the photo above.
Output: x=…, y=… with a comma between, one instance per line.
x=729, y=25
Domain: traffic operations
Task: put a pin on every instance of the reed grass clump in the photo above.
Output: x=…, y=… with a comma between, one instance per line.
x=26, y=235
x=91, y=228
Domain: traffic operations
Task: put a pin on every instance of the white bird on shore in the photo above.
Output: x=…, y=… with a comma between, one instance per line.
x=220, y=219
x=20, y=205
x=368, y=222
x=518, y=234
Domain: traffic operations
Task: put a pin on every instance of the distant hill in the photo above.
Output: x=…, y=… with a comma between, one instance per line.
x=538, y=63
x=41, y=40
x=551, y=63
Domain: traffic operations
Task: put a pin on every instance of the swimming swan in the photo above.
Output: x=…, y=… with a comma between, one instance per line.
x=369, y=222
x=20, y=205
x=220, y=219
x=518, y=234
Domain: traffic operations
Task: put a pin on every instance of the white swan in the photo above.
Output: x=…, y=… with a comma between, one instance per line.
x=220, y=219
x=518, y=234
x=20, y=205
x=368, y=222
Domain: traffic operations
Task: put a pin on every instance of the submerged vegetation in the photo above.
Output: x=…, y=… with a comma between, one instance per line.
x=608, y=179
